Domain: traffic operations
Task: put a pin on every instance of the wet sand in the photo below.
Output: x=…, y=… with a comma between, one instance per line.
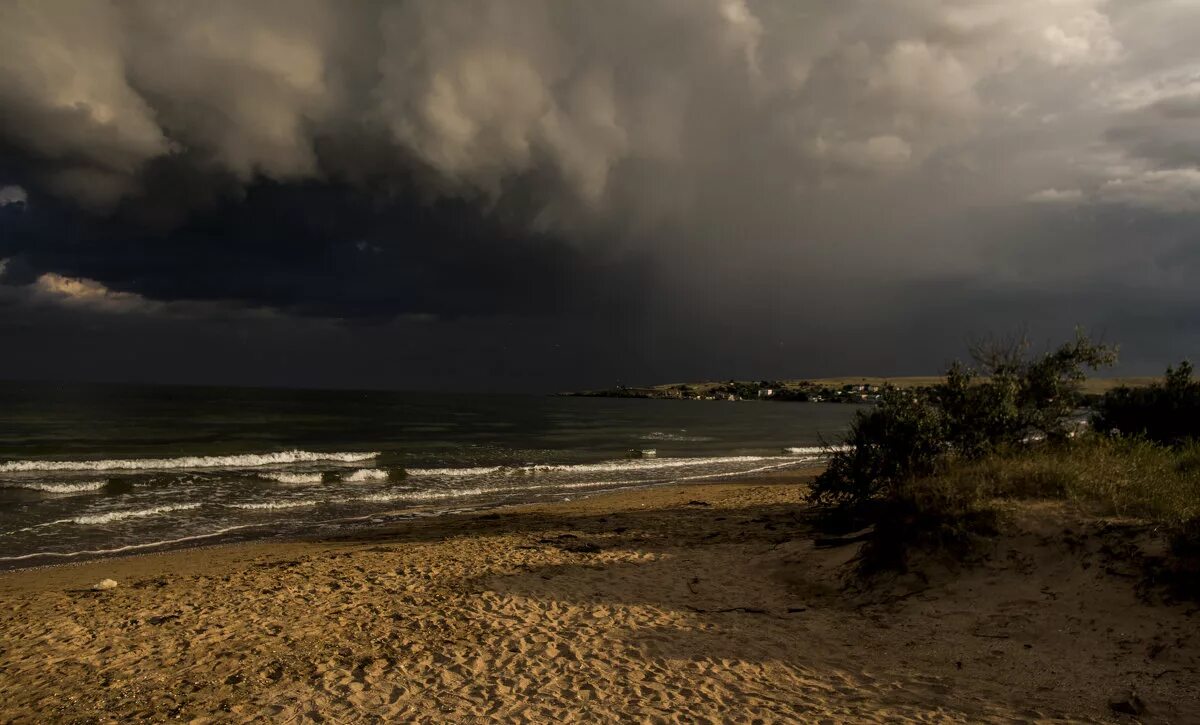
x=696, y=603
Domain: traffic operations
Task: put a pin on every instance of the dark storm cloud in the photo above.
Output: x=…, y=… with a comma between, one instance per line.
x=324, y=250
x=625, y=115
x=713, y=186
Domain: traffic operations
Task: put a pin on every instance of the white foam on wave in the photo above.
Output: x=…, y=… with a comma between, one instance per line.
x=110, y=516
x=383, y=497
x=641, y=464
x=243, y=460
x=671, y=479
x=815, y=450
x=275, y=505
x=638, y=464
x=130, y=547
x=477, y=471
x=292, y=477
x=367, y=474
x=421, y=495
x=653, y=481
x=776, y=463
x=757, y=469
x=79, y=487
x=586, y=484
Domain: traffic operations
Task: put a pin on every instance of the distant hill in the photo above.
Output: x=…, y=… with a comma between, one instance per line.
x=838, y=389
x=1096, y=386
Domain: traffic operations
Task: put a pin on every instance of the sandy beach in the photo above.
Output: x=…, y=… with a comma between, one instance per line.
x=696, y=603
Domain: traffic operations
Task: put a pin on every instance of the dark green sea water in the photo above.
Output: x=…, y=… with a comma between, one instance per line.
x=87, y=470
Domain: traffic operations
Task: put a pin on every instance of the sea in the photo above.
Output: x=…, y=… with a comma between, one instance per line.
x=88, y=471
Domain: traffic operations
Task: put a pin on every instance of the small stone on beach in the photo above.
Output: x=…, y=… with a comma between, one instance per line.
x=104, y=584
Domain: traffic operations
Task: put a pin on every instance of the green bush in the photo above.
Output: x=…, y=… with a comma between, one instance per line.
x=1121, y=477
x=901, y=438
x=953, y=510
x=926, y=467
x=1012, y=397
x=1166, y=412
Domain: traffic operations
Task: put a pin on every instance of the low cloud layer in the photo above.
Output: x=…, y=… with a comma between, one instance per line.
x=780, y=169
x=584, y=101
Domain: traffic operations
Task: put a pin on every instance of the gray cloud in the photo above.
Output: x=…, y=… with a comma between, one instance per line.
x=12, y=195
x=602, y=103
x=765, y=156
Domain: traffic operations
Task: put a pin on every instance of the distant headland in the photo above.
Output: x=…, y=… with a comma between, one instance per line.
x=865, y=389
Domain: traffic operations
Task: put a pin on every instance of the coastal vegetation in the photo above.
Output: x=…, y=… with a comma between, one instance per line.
x=960, y=506
x=1165, y=412
x=933, y=469
x=1007, y=398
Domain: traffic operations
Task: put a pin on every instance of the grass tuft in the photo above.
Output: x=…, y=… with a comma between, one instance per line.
x=954, y=511
x=1113, y=476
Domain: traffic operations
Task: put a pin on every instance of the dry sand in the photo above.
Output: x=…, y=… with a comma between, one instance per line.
x=701, y=603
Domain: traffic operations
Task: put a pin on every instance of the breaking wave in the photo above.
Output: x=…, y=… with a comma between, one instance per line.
x=477, y=471
x=815, y=450
x=422, y=495
x=639, y=464
x=292, y=477
x=80, y=487
x=111, y=516
x=244, y=460
x=274, y=505
x=772, y=463
x=367, y=474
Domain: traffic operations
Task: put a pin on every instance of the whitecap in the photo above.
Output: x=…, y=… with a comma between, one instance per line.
x=78, y=487
x=367, y=474
x=641, y=464
x=421, y=495
x=274, y=505
x=816, y=450
x=476, y=471
x=110, y=516
x=292, y=477
x=625, y=464
x=243, y=460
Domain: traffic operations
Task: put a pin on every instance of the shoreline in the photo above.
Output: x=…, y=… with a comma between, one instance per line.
x=397, y=518
x=449, y=503
x=697, y=602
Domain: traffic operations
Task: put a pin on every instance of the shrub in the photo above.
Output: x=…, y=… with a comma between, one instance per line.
x=1166, y=412
x=953, y=511
x=1010, y=398
x=931, y=513
x=926, y=466
x=1123, y=477
x=901, y=438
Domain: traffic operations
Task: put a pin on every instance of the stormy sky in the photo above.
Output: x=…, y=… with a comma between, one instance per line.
x=546, y=194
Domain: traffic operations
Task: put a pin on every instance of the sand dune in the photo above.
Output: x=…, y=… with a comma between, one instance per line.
x=705, y=603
